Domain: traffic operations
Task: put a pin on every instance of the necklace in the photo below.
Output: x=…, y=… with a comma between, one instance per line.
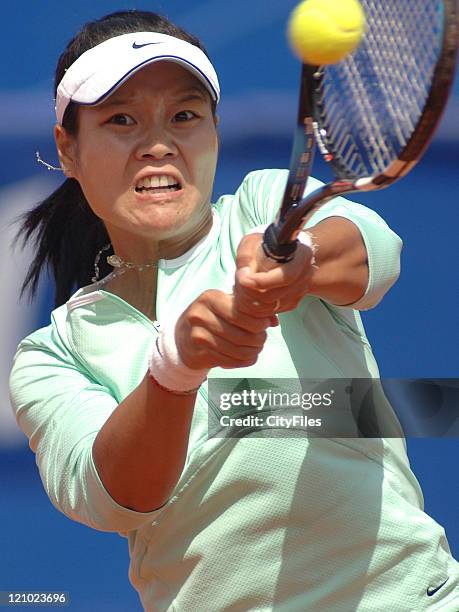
x=117, y=262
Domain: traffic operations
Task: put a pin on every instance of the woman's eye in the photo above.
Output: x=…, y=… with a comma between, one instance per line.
x=185, y=116
x=121, y=119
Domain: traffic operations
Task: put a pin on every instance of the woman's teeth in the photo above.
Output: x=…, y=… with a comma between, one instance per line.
x=158, y=184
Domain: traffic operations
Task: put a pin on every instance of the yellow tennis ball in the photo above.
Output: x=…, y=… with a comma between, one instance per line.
x=325, y=31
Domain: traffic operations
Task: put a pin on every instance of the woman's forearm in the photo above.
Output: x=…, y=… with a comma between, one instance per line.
x=341, y=273
x=141, y=449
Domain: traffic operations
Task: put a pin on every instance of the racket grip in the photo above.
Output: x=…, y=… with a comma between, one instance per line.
x=281, y=253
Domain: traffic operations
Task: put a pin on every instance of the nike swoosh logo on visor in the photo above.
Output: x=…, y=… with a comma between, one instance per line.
x=136, y=46
x=432, y=590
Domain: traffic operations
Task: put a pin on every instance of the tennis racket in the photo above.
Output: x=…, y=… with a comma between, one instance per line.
x=373, y=114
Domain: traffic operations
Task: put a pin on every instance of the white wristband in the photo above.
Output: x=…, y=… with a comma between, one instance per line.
x=166, y=367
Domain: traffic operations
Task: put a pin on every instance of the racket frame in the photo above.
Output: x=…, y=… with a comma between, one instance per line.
x=302, y=158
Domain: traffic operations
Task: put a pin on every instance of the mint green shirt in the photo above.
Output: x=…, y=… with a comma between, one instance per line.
x=292, y=525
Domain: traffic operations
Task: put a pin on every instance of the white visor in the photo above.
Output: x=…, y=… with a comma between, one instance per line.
x=98, y=72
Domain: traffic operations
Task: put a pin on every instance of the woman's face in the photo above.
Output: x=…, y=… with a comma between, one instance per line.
x=146, y=157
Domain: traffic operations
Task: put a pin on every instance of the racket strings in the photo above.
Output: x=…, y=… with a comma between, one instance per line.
x=410, y=28
x=370, y=104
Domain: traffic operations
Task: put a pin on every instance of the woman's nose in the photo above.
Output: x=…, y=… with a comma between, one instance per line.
x=157, y=144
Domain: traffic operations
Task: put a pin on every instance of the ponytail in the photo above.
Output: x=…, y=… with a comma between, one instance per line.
x=67, y=236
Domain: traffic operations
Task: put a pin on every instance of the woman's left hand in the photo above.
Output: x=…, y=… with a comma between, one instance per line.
x=266, y=288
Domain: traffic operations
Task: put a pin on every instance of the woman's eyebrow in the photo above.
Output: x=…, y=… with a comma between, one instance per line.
x=191, y=93
x=113, y=101
x=184, y=95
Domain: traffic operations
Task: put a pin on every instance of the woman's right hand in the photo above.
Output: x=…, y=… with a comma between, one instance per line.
x=212, y=333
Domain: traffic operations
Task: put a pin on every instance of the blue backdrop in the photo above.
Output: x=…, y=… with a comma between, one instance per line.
x=414, y=332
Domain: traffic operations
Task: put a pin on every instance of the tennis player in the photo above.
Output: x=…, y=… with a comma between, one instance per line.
x=113, y=393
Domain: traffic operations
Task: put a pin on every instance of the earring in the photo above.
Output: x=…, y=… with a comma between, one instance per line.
x=47, y=166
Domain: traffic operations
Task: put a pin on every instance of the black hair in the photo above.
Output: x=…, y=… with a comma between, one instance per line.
x=67, y=234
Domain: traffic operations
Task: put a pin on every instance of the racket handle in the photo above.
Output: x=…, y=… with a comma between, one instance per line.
x=281, y=253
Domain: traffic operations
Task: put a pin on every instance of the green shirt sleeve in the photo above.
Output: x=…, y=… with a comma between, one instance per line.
x=61, y=410
x=260, y=196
